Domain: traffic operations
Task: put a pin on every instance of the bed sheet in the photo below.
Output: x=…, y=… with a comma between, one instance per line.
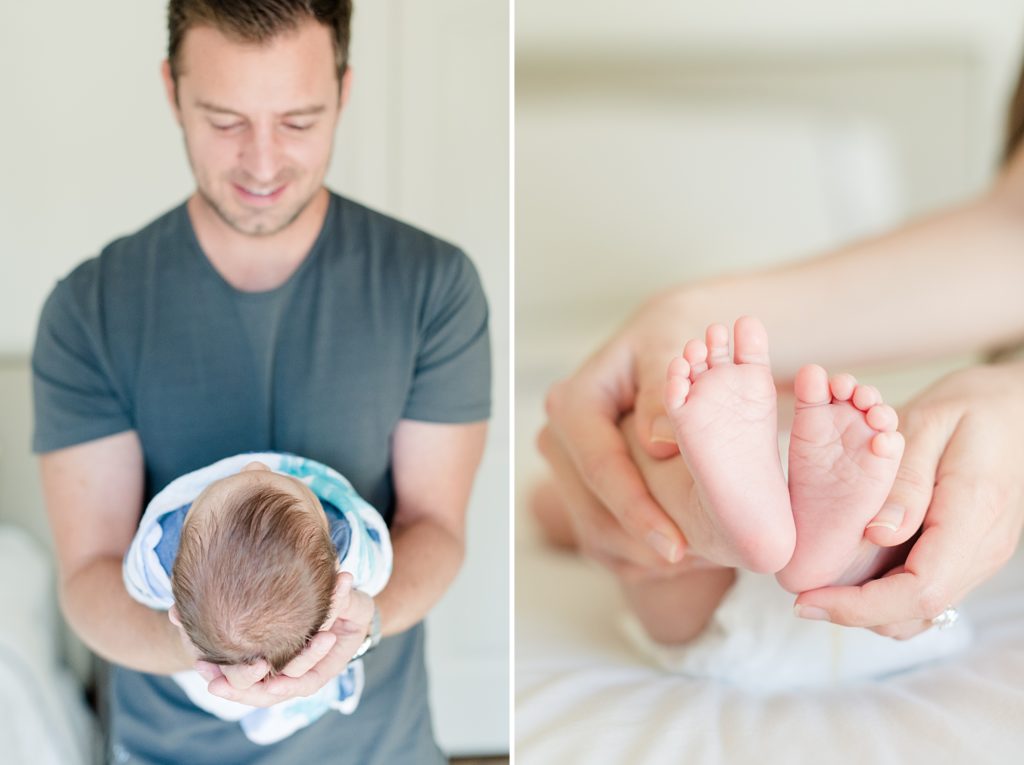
x=584, y=694
x=43, y=716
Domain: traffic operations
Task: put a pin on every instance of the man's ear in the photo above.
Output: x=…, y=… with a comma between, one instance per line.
x=346, y=88
x=170, y=88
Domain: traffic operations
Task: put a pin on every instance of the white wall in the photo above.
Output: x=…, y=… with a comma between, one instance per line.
x=992, y=29
x=91, y=152
x=671, y=140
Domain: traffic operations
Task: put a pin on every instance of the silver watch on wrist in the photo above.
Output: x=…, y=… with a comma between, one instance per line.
x=372, y=637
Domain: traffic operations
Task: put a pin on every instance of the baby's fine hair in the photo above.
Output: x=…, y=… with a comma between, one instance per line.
x=254, y=580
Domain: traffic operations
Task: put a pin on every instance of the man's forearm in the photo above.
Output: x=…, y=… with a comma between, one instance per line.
x=427, y=556
x=945, y=285
x=121, y=630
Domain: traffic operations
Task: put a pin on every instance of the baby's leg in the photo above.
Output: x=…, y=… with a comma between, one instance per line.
x=723, y=410
x=843, y=455
x=676, y=610
x=548, y=509
x=673, y=609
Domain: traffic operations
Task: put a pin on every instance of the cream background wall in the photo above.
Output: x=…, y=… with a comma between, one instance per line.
x=676, y=140
x=91, y=152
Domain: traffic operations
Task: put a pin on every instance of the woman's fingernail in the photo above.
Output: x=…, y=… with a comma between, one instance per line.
x=665, y=547
x=661, y=431
x=889, y=517
x=812, y=612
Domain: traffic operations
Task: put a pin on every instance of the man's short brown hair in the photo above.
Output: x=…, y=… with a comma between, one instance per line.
x=255, y=579
x=257, y=21
x=1014, y=126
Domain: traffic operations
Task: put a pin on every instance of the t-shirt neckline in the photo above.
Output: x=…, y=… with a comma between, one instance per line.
x=313, y=253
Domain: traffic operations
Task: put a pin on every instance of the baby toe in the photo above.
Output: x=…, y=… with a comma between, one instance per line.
x=866, y=396
x=888, y=445
x=842, y=386
x=882, y=417
x=718, y=345
x=676, y=390
x=696, y=354
x=811, y=386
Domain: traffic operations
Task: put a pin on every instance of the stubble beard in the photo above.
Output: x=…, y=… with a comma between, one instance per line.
x=257, y=227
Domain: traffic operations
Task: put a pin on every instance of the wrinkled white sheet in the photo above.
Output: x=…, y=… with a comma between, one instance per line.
x=43, y=717
x=585, y=694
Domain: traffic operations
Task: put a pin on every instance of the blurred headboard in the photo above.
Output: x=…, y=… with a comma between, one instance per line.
x=21, y=500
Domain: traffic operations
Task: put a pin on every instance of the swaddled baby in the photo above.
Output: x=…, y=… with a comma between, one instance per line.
x=256, y=568
x=246, y=554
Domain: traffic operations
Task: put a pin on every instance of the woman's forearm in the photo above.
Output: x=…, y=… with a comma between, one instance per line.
x=944, y=285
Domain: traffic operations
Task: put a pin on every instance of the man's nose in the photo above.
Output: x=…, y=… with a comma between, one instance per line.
x=260, y=154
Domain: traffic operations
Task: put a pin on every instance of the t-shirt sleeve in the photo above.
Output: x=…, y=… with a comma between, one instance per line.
x=452, y=378
x=74, y=395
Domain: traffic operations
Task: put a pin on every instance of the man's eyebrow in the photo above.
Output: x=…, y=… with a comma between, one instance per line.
x=300, y=112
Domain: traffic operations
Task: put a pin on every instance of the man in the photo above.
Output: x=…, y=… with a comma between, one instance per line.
x=266, y=313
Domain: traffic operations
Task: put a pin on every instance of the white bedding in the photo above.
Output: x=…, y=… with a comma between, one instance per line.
x=585, y=695
x=43, y=717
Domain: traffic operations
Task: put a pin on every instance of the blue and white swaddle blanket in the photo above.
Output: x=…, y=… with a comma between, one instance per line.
x=364, y=550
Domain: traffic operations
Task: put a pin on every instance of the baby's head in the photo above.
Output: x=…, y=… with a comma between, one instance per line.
x=256, y=569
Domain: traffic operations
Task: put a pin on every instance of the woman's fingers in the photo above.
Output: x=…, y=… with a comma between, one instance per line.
x=936, y=574
x=903, y=630
x=587, y=426
x=905, y=507
x=653, y=430
x=598, y=533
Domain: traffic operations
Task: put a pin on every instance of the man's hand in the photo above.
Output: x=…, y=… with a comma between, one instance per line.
x=961, y=483
x=326, y=657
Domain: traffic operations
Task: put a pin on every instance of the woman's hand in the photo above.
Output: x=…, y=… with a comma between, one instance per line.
x=615, y=519
x=961, y=483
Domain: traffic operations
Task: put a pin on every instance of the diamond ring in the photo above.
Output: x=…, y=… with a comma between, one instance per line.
x=947, y=618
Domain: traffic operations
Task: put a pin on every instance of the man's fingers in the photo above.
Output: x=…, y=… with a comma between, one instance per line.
x=255, y=696
x=904, y=509
x=319, y=646
x=208, y=671
x=242, y=676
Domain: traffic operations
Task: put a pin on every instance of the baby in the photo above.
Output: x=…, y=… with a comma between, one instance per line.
x=245, y=555
x=738, y=509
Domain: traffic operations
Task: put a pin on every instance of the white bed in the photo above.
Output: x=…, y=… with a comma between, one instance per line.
x=735, y=188
x=43, y=716
x=584, y=694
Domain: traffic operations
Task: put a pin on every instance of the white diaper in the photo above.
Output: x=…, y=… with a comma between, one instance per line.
x=754, y=641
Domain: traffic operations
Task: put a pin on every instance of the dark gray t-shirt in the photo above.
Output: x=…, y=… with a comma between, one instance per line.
x=380, y=322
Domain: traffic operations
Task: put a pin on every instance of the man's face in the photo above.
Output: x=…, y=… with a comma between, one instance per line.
x=258, y=122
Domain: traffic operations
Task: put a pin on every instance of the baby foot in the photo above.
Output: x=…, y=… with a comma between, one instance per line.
x=723, y=413
x=843, y=455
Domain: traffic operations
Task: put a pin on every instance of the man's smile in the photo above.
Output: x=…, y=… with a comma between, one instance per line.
x=257, y=196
